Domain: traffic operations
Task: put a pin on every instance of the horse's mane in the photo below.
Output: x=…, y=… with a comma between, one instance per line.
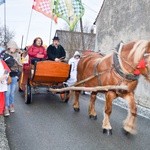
x=138, y=50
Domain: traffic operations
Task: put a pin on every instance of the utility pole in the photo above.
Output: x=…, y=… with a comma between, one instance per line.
x=82, y=34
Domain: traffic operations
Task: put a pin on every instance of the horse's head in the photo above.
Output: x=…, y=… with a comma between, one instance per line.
x=140, y=54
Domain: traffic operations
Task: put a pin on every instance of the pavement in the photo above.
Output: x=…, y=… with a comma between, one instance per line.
x=49, y=124
x=3, y=140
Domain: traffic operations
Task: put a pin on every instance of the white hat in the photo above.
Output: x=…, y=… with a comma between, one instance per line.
x=76, y=53
x=12, y=44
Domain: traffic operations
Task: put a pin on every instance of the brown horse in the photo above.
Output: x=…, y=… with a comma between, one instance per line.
x=122, y=67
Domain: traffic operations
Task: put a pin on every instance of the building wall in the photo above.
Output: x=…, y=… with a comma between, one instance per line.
x=124, y=20
x=72, y=41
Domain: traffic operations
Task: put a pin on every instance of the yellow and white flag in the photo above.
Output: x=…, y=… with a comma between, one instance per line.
x=69, y=10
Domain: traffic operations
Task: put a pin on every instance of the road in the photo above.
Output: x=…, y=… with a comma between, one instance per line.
x=48, y=124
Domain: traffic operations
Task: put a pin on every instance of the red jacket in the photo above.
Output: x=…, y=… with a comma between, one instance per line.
x=34, y=50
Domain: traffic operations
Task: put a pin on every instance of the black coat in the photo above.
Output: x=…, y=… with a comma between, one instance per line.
x=53, y=52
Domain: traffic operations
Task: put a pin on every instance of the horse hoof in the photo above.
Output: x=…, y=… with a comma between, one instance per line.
x=76, y=109
x=107, y=131
x=93, y=117
x=125, y=132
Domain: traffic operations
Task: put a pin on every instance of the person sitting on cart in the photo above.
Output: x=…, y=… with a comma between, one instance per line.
x=37, y=52
x=55, y=51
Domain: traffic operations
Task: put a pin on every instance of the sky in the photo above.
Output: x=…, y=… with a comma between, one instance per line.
x=18, y=15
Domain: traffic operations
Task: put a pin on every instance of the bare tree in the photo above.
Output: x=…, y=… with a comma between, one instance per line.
x=5, y=39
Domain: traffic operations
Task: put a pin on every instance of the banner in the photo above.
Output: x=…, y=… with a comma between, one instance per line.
x=69, y=10
x=45, y=7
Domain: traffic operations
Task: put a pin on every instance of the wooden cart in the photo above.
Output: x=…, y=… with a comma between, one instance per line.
x=49, y=74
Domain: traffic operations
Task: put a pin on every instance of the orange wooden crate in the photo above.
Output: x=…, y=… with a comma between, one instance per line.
x=51, y=72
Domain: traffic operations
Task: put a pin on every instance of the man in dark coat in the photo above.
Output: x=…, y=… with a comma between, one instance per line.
x=55, y=51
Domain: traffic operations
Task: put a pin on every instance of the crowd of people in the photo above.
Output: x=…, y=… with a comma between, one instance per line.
x=15, y=67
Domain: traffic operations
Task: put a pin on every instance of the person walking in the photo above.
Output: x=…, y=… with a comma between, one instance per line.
x=55, y=51
x=15, y=67
x=4, y=72
x=73, y=73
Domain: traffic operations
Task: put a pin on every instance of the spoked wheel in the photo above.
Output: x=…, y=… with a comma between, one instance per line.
x=28, y=94
x=64, y=96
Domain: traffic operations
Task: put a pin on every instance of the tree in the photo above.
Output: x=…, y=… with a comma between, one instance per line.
x=5, y=39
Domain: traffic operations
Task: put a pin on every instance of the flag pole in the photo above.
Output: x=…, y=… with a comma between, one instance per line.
x=50, y=32
x=22, y=41
x=5, y=23
x=28, y=27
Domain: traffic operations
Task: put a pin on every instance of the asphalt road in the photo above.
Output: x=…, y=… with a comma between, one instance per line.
x=48, y=124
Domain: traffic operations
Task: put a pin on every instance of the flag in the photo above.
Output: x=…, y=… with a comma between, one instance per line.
x=69, y=10
x=2, y=1
x=45, y=7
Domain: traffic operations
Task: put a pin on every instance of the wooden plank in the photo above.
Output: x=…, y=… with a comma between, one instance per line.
x=90, y=89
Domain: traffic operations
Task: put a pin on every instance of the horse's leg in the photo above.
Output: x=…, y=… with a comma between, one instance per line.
x=110, y=96
x=129, y=123
x=76, y=101
x=92, y=112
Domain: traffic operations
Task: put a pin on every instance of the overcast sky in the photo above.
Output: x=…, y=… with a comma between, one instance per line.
x=18, y=14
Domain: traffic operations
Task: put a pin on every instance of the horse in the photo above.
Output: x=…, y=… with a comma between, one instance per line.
x=121, y=67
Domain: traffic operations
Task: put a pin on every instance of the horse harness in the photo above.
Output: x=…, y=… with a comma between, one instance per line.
x=95, y=73
x=118, y=68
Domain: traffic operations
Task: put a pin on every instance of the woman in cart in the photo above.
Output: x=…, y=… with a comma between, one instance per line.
x=37, y=52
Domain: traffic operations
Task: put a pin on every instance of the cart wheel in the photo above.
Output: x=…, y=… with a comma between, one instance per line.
x=65, y=96
x=28, y=94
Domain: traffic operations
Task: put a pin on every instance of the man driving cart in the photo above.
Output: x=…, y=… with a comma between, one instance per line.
x=55, y=51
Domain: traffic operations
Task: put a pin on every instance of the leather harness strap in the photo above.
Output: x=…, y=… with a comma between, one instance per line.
x=119, y=70
x=96, y=73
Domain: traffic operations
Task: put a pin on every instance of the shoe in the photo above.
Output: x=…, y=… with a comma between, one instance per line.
x=12, y=109
x=6, y=112
x=20, y=90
